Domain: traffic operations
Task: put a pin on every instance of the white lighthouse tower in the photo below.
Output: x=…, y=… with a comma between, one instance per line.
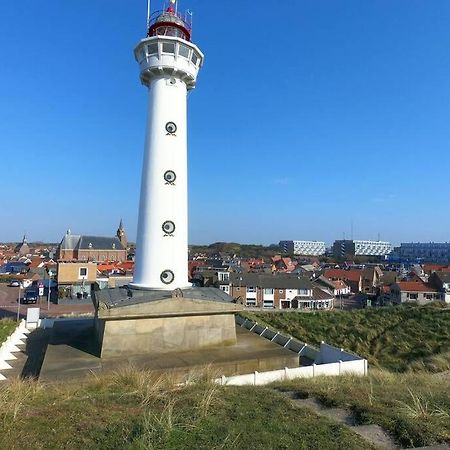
x=169, y=63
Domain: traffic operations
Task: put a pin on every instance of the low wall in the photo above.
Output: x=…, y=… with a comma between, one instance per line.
x=315, y=370
x=327, y=361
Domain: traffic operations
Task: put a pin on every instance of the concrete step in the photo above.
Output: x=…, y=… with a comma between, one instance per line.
x=375, y=435
x=371, y=433
x=16, y=364
x=433, y=447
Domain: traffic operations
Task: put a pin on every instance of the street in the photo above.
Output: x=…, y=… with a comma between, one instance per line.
x=8, y=305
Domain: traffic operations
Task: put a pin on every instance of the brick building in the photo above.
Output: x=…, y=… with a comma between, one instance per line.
x=278, y=291
x=74, y=247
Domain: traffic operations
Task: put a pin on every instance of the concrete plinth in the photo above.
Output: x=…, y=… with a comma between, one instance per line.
x=72, y=353
x=134, y=322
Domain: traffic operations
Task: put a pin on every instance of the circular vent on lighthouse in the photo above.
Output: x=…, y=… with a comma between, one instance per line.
x=171, y=128
x=170, y=177
x=168, y=227
x=167, y=277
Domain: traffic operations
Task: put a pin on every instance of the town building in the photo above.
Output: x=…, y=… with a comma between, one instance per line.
x=75, y=247
x=414, y=291
x=303, y=248
x=441, y=281
x=343, y=248
x=75, y=279
x=420, y=252
x=121, y=235
x=352, y=278
x=23, y=249
x=278, y=292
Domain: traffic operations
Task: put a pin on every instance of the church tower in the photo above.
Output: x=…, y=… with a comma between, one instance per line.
x=122, y=235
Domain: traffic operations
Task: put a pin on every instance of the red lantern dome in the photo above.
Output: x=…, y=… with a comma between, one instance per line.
x=170, y=22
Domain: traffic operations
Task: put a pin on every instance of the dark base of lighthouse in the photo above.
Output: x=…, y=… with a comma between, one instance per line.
x=134, y=322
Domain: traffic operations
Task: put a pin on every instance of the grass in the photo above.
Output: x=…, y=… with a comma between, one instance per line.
x=397, y=338
x=414, y=408
x=7, y=326
x=132, y=409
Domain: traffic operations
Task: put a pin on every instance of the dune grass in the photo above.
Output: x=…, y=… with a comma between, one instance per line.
x=397, y=338
x=7, y=326
x=133, y=409
x=414, y=408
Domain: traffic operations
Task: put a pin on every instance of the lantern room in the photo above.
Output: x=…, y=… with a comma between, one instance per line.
x=169, y=22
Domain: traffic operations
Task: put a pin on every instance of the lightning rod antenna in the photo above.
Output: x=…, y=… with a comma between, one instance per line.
x=148, y=15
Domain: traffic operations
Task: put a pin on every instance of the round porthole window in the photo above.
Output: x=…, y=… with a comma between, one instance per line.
x=168, y=227
x=167, y=277
x=170, y=176
x=171, y=128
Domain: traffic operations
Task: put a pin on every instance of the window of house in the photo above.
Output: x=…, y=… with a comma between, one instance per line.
x=224, y=276
x=268, y=291
x=429, y=296
x=280, y=291
x=194, y=59
x=413, y=296
x=251, y=289
x=250, y=302
x=82, y=272
x=268, y=304
x=302, y=291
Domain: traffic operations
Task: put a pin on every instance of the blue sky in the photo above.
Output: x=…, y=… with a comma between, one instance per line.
x=308, y=115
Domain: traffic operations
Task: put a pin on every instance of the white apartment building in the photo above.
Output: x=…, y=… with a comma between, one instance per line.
x=303, y=248
x=361, y=248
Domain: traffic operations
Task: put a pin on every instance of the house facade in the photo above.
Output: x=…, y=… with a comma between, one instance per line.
x=441, y=281
x=414, y=291
x=278, y=292
x=75, y=279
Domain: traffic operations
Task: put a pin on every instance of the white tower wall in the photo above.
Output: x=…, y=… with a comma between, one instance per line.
x=169, y=68
x=160, y=201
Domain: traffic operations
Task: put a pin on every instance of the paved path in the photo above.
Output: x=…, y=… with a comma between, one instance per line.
x=371, y=433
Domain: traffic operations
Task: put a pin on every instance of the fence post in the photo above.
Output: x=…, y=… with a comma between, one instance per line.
x=314, y=369
x=255, y=376
x=340, y=366
x=223, y=380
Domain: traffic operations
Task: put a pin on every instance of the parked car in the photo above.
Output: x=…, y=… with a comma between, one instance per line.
x=30, y=296
x=14, y=283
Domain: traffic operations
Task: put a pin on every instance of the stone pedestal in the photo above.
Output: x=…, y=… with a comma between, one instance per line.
x=134, y=322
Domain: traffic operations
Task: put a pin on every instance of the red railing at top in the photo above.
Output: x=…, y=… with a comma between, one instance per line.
x=186, y=18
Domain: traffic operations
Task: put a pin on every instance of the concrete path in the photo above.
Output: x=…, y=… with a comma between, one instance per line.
x=371, y=433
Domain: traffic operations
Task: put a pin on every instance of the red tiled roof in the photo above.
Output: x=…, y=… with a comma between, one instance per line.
x=105, y=267
x=352, y=275
x=415, y=286
x=36, y=261
x=126, y=265
x=432, y=267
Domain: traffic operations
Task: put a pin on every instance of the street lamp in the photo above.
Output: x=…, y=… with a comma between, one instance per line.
x=48, y=292
x=18, y=302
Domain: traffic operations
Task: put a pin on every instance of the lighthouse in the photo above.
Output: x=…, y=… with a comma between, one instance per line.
x=169, y=64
